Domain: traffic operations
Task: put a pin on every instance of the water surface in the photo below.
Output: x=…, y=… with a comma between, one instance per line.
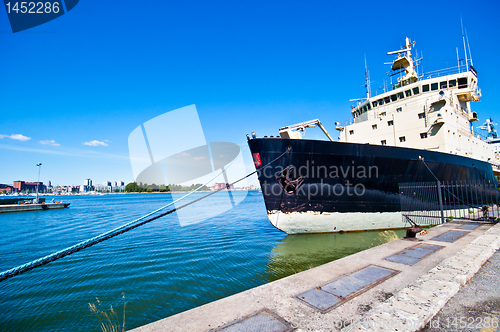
x=161, y=268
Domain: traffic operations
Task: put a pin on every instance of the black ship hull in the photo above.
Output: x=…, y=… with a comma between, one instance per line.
x=322, y=186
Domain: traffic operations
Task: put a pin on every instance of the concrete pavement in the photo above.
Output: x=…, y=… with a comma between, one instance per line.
x=476, y=307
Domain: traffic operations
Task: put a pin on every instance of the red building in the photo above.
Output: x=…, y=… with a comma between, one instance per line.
x=28, y=186
x=221, y=185
x=4, y=188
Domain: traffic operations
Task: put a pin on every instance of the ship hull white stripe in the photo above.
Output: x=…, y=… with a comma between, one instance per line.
x=315, y=222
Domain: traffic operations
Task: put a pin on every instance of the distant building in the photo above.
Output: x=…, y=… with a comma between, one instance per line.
x=28, y=186
x=5, y=188
x=66, y=189
x=222, y=185
x=87, y=186
x=115, y=186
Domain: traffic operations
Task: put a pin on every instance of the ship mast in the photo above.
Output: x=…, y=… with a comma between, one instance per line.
x=367, y=79
x=404, y=63
x=465, y=50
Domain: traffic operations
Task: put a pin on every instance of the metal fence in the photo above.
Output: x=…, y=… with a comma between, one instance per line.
x=431, y=203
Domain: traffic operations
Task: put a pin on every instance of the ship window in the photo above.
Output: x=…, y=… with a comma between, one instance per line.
x=387, y=100
x=416, y=90
x=383, y=114
x=374, y=127
x=375, y=103
x=401, y=95
x=364, y=109
x=402, y=139
x=425, y=88
x=399, y=109
x=408, y=93
x=434, y=86
x=390, y=123
x=383, y=142
x=452, y=83
x=351, y=132
x=423, y=135
x=394, y=97
x=443, y=85
x=369, y=106
x=462, y=82
x=380, y=102
x=421, y=115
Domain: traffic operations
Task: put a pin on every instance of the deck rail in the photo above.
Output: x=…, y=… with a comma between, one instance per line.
x=446, y=71
x=432, y=203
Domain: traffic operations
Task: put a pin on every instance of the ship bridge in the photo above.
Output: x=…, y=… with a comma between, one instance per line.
x=430, y=112
x=463, y=84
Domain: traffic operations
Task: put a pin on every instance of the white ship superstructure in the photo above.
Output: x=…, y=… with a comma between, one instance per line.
x=429, y=113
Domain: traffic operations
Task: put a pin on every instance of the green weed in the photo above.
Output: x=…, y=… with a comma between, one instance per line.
x=109, y=322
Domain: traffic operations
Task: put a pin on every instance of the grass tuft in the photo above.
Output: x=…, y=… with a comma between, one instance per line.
x=109, y=322
x=388, y=236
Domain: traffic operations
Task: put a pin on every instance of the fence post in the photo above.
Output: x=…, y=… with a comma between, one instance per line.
x=440, y=196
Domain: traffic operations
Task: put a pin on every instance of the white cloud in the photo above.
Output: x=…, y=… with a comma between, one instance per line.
x=95, y=143
x=17, y=137
x=49, y=142
x=68, y=152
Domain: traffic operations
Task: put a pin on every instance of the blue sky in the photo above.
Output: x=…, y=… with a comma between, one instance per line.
x=96, y=73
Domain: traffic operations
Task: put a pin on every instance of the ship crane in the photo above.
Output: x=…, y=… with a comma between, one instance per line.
x=293, y=131
x=489, y=126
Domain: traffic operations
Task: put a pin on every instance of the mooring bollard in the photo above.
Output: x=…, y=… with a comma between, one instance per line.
x=412, y=232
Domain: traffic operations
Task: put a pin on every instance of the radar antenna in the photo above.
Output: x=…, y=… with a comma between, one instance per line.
x=404, y=64
x=465, y=50
x=468, y=46
x=367, y=78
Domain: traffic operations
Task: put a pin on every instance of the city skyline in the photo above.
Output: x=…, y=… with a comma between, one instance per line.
x=72, y=90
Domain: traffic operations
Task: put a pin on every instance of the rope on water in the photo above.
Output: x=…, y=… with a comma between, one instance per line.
x=119, y=230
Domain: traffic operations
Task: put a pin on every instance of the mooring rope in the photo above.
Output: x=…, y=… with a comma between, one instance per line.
x=485, y=179
x=119, y=230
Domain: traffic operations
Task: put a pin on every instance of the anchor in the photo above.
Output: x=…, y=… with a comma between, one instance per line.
x=289, y=179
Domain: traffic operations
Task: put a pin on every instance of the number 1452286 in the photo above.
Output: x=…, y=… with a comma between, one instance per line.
x=25, y=7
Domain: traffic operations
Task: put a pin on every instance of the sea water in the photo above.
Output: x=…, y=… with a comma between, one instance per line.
x=153, y=271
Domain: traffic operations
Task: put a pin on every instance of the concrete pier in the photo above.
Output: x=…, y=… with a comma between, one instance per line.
x=31, y=207
x=397, y=286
